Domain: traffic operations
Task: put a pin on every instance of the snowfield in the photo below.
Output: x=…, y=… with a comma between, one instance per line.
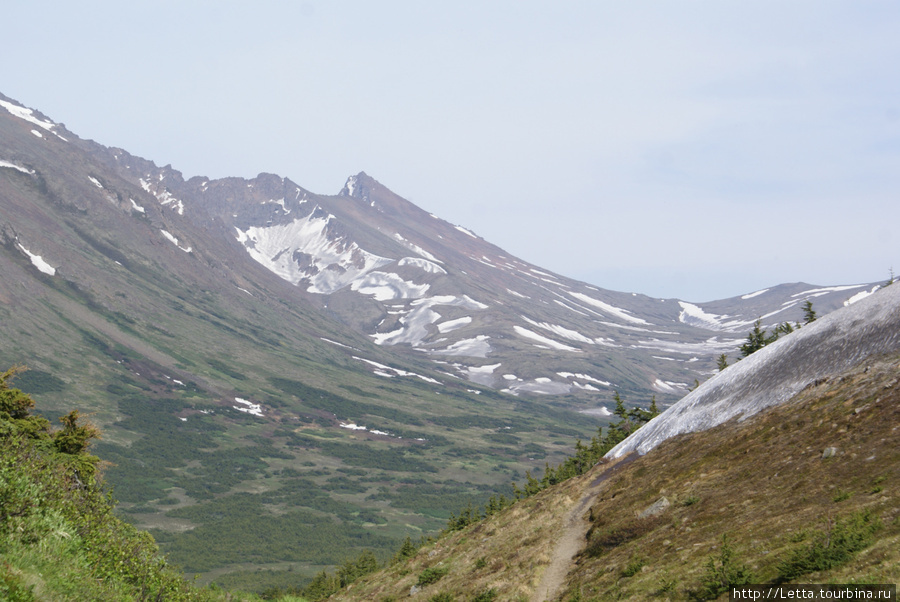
x=302, y=251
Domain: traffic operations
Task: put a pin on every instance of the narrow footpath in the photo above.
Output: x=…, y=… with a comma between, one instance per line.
x=572, y=539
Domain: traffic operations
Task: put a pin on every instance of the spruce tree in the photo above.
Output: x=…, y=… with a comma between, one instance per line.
x=808, y=314
x=722, y=362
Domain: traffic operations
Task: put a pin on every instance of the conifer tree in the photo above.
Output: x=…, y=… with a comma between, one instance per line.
x=722, y=362
x=808, y=314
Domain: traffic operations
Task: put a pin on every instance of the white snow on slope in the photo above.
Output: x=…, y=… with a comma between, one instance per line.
x=694, y=315
x=414, y=324
x=544, y=341
x=38, y=262
x=540, y=386
x=385, y=370
x=756, y=294
x=709, y=346
x=174, y=241
x=818, y=292
x=385, y=286
x=483, y=375
x=622, y=314
x=16, y=167
x=416, y=249
x=861, y=295
x=566, y=333
x=474, y=347
x=774, y=374
x=423, y=264
x=95, y=181
x=248, y=407
x=279, y=202
x=585, y=377
x=464, y=231
x=451, y=325
x=136, y=207
x=165, y=198
x=302, y=250
x=28, y=115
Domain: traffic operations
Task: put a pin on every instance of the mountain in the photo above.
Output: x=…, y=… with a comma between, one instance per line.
x=802, y=490
x=336, y=370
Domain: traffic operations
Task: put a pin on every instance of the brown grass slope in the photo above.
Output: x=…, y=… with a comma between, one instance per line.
x=763, y=482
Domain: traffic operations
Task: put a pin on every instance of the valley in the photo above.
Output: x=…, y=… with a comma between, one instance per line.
x=232, y=338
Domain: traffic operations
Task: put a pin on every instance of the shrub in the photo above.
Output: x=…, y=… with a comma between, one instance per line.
x=633, y=567
x=722, y=573
x=485, y=595
x=432, y=575
x=832, y=547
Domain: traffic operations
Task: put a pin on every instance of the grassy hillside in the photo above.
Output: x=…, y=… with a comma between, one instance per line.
x=807, y=492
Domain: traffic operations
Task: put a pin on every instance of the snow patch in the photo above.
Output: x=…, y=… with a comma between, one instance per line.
x=420, y=314
x=423, y=264
x=584, y=377
x=174, y=241
x=38, y=261
x=861, y=295
x=16, y=167
x=389, y=371
x=756, y=294
x=451, y=325
x=28, y=115
x=385, y=286
x=818, y=292
x=248, y=407
x=417, y=249
x=475, y=347
x=464, y=231
x=136, y=207
x=545, y=342
x=622, y=314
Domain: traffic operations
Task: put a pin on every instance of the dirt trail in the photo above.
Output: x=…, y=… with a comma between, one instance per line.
x=575, y=528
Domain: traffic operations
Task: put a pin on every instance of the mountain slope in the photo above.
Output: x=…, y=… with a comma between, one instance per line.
x=289, y=360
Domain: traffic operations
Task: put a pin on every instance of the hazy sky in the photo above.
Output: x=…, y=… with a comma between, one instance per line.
x=697, y=149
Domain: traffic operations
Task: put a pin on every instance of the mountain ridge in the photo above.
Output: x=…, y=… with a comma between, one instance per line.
x=436, y=370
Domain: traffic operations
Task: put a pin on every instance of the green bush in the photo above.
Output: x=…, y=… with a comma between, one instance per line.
x=432, y=575
x=722, y=573
x=832, y=547
x=487, y=595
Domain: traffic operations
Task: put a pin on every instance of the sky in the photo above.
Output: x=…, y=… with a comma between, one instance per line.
x=695, y=149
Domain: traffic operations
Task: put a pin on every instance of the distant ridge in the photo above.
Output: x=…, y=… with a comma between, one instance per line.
x=775, y=373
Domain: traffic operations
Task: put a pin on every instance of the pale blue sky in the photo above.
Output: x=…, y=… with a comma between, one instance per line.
x=696, y=149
